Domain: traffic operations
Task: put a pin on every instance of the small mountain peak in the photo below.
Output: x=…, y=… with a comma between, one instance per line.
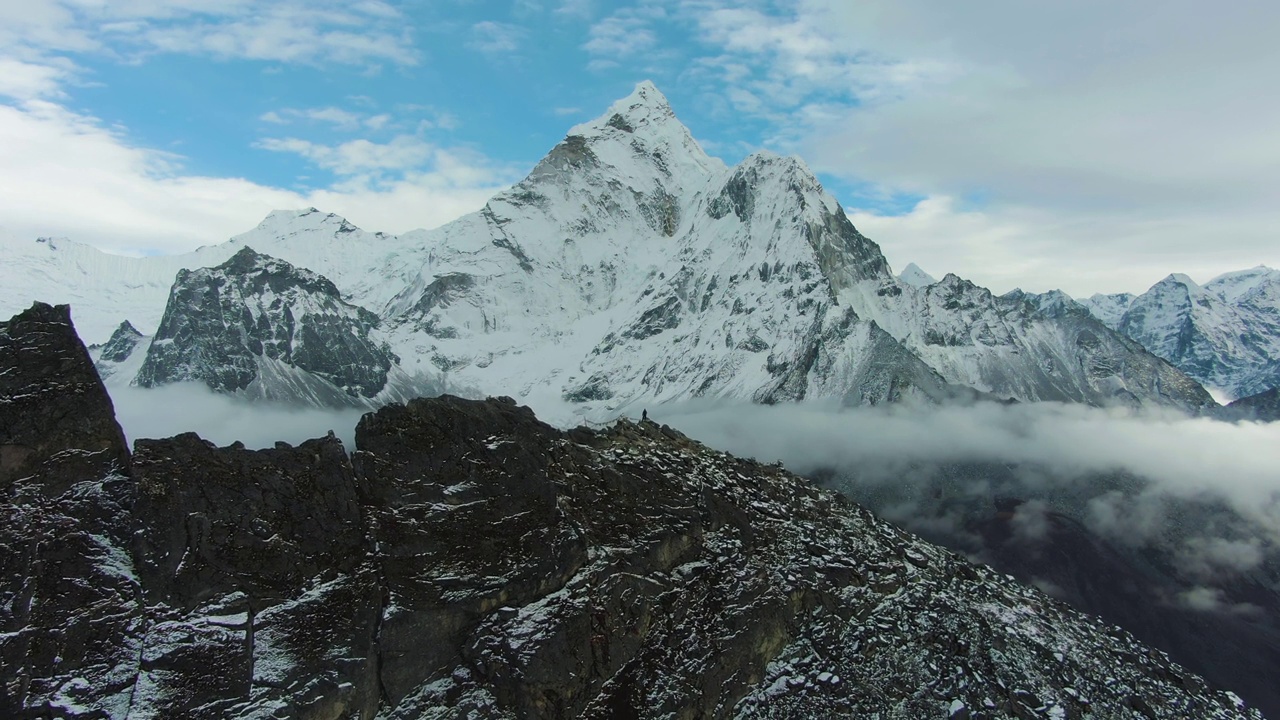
x=244, y=261
x=126, y=328
x=648, y=95
x=1180, y=279
x=645, y=110
x=916, y=277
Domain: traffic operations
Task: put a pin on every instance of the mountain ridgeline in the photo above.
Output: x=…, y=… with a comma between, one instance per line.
x=627, y=270
x=1225, y=334
x=468, y=561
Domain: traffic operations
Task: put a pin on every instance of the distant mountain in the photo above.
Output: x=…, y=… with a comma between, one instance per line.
x=467, y=560
x=629, y=269
x=1225, y=334
x=260, y=327
x=122, y=354
x=915, y=277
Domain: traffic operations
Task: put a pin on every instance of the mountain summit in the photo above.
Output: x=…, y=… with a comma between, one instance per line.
x=630, y=268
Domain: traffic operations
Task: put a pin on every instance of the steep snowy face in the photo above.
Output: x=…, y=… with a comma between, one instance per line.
x=258, y=326
x=1226, y=334
x=746, y=306
x=1236, y=286
x=630, y=267
x=1024, y=346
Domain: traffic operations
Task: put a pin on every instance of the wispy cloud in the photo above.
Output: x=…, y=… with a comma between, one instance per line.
x=495, y=37
x=365, y=33
x=133, y=199
x=620, y=35
x=337, y=117
x=357, y=157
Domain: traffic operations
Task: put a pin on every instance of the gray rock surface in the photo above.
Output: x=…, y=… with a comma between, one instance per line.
x=260, y=327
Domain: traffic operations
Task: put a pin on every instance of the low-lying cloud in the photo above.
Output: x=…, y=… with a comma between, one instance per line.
x=223, y=419
x=1051, y=442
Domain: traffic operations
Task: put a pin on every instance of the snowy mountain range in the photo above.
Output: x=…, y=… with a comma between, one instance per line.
x=628, y=269
x=1225, y=334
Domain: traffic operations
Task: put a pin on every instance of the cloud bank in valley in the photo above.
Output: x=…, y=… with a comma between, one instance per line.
x=1183, y=456
x=222, y=419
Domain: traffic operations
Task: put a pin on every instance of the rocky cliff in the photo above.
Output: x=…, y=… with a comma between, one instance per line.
x=257, y=326
x=469, y=561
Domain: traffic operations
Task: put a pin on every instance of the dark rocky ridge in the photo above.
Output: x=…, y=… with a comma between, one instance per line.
x=53, y=408
x=1264, y=407
x=1045, y=531
x=122, y=343
x=470, y=561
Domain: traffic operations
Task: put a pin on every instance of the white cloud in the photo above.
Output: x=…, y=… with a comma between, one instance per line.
x=357, y=157
x=620, y=35
x=1103, y=136
x=495, y=37
x=69, y=175
x=223, y=420
x=29, y=80
x=326, y=31
x=576, y=8
x=1003, y=246
x=337, y=117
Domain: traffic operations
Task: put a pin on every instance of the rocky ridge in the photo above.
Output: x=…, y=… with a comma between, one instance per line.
x=469, y=560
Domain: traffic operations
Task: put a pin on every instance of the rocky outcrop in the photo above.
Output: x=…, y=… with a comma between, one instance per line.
x=1265, y=406
x=259, y=327
x=69, y=603
x=471, y=561
x=56, y=419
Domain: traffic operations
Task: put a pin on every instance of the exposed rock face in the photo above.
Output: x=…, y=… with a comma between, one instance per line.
x=122, y=343
x=470, y=561
x=69, y=606
x=118, y=360
x=1264, y=406
x=53, y=408
x=260, y=327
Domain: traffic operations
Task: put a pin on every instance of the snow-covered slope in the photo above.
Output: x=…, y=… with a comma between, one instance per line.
x=630, y=268
x=1108, y=308
x=1226, y=334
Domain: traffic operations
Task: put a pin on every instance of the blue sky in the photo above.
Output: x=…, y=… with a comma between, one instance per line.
x=1084, y=146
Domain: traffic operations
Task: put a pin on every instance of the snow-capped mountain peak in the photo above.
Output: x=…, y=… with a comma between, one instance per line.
x=1233, y=286
x=630, y=267
x=915, y=277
